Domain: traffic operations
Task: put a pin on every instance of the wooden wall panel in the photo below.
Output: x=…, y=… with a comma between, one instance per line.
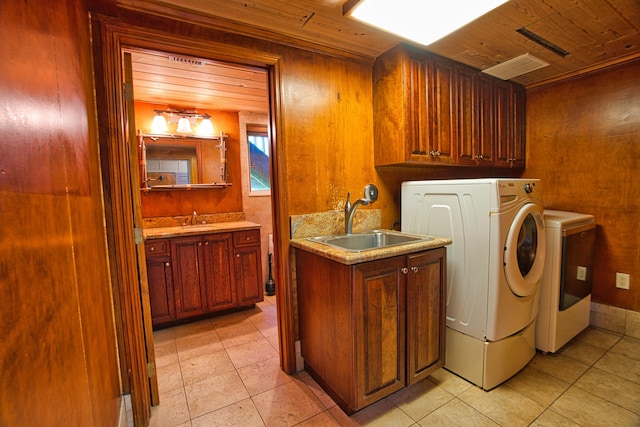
x=328, y=127
x=58, y=356
x=583, y=142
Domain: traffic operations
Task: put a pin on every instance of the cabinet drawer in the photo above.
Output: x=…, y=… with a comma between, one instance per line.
x=156, y=247
x=248, y=237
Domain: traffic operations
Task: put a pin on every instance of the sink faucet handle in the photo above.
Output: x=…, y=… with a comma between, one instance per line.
x=347, y=205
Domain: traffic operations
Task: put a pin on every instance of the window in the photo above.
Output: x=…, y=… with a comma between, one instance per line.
x=259, y=158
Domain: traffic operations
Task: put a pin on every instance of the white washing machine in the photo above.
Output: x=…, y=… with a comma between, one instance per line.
x=565, y=290
x=494, y=268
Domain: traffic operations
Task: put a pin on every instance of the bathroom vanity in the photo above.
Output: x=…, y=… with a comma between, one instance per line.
x=196, y=270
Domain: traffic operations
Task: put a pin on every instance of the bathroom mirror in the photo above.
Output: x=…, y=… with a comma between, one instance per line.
x=174, y=162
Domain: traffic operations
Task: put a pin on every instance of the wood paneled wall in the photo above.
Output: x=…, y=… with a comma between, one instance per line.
x=58, y=357
x=583, y=141
x=184, y=202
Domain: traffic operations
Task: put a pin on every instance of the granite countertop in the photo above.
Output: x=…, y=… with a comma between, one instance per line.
x=347, y=257
x=187, y=230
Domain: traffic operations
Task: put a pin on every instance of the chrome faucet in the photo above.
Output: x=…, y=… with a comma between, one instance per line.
x=370, y=196
x=194, y=218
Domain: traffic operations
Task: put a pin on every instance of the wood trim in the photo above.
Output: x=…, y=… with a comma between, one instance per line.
x=119, y=213
x=122, y=34
x=280, y=209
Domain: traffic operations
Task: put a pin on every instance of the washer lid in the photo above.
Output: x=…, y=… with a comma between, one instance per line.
x=524, y=251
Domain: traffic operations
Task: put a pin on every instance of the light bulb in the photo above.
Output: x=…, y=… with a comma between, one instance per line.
x=159, y=124
x=184, y=126
x=205, y=128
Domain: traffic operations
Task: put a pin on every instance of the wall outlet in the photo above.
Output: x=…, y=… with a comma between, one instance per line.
x=581, y=273
x=622, y=280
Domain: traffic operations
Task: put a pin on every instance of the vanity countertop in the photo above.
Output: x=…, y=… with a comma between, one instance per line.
x=347, y=257
x=188, y=230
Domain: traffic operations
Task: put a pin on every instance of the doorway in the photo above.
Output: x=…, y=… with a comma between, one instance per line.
x=110, y=39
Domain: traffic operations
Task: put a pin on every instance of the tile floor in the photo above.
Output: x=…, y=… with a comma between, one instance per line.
x=225, y=371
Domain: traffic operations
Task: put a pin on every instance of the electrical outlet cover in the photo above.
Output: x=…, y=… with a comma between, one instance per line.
x=622, y=280
x=581, y=273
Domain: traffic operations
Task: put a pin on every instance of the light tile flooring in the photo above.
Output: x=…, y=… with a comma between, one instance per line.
x=225, y=371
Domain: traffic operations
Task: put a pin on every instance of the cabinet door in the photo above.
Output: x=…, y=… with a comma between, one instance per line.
x=511, y=149
x=468, y=147
x=504, y=121
x=425, y=313
x=220, y=282
x=160, y=289
x=189, y=284
x=380, y=328
x=248, y=273
x=441, y=99
x=486, y=121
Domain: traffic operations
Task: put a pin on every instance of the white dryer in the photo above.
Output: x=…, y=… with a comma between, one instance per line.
x=565, y=289
x=494, y=267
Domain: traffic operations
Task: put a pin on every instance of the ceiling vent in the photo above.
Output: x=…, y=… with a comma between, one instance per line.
x=187, y=61
x=517, y=66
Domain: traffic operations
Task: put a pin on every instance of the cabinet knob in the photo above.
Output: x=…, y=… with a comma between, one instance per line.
x=152, y=249
x=200, y=244
x=206, y=243
x=166, y=264
x=247, y=238
x=414, y=269
x=404, y=270
x=479, y=156
x=237, y=255
x=434, y=153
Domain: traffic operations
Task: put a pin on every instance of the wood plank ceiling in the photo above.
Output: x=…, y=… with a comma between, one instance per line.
x=594, y=33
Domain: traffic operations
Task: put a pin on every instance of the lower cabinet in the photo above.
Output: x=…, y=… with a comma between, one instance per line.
x=195, y=275
x=370, y=329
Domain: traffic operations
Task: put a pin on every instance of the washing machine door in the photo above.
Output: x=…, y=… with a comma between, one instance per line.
x=524, y=251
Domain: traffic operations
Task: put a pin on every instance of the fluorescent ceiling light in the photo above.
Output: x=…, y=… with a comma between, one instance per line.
x=423, y=21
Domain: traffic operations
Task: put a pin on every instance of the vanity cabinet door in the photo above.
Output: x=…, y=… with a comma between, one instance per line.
x=188, y=273
x=248, y=273
x=426, y=287
x=380, y=328
x=221, y=287
x=160, y=279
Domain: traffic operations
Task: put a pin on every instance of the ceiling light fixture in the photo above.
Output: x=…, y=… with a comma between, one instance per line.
x=185, y=119
x=419, y=20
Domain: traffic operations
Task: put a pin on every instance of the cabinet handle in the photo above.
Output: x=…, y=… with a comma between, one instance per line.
x=414, y=269
x=479, y=156
x=404, y=270
x=434, y=153
x=166, y=264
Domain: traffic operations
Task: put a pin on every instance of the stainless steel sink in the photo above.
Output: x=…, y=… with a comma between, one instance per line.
x=375, y=239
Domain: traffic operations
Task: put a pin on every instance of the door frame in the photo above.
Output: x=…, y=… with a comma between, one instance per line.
x=110, y=37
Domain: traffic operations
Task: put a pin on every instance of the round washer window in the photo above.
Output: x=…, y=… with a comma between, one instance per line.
x=527, y=245
x=524, y=251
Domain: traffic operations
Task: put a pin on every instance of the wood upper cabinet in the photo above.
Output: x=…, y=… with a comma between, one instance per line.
x=429, y=110
x=194, y=275
x=370, y=329
x=510, y=125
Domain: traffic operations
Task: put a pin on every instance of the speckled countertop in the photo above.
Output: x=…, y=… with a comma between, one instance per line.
x=347, y=257
x=187, y=230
